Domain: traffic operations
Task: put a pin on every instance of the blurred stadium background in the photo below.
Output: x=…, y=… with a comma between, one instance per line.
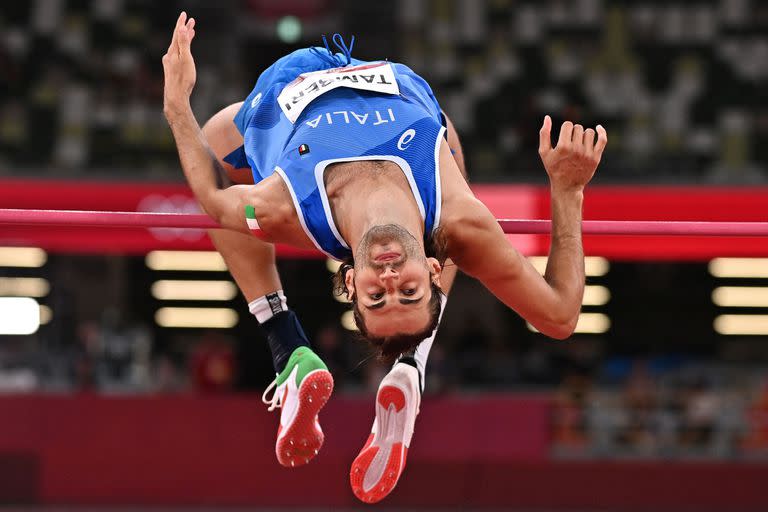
x=130, y=370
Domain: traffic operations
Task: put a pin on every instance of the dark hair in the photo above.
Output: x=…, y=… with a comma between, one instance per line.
x=389, y=347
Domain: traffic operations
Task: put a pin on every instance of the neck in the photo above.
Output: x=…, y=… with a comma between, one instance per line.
x=362, y=204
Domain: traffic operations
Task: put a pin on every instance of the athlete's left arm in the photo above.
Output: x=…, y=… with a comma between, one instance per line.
x=200, y=165
x=479, y=247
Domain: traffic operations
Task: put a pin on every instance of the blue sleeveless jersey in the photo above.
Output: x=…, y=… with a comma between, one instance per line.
x=341, y=125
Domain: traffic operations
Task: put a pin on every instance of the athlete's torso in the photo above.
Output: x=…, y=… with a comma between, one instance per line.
x=342, y=125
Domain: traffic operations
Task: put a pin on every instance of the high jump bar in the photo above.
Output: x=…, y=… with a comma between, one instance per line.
x=72, y=218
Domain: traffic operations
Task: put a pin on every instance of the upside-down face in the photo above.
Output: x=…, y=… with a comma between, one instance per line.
x=391, y=282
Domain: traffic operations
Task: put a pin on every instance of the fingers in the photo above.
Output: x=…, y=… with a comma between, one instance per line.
x=185, y=38
x=545, y=136
x=191, y=28
x=574, y=137
x=566, y=134
x=589, y=142
x=182, y=19
x=578, y=137
x=183, y=41
x=602, y=140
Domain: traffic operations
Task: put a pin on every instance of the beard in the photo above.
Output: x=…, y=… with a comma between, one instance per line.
x=382, y=235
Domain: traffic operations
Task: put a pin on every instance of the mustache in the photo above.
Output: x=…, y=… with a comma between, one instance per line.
x=383, y=235
x=396, y=264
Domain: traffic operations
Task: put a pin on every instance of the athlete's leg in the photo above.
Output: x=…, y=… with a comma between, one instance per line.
x=303, y=383
x=250, y=260
x=378, y=466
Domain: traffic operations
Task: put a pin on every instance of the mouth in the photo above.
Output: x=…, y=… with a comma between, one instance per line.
x=387, y=256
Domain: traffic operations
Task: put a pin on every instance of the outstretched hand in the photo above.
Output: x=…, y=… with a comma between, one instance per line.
x=572, y=163
x=179, y=66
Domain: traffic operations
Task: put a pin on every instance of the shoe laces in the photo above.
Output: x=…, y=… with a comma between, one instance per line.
x=276, y=401
x=332, y=58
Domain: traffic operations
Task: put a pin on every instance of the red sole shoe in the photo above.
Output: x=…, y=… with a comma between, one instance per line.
x=302, y=440
x=378, y=467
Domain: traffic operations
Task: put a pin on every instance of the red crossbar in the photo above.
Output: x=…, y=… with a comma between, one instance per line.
x=516, y=226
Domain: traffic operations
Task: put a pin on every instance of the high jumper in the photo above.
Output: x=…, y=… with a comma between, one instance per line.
x=358, y=160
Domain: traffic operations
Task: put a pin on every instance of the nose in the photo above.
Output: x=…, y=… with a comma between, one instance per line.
x=389, y=277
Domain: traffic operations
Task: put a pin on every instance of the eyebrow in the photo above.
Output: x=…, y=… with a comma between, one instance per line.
x=381, y=304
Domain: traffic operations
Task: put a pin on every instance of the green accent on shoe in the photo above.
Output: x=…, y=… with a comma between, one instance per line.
x=308, y=362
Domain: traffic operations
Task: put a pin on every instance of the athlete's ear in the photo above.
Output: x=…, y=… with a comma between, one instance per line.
x=435, y=270
x=349, y=282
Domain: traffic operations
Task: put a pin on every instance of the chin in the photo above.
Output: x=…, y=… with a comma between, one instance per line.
x=385, y=333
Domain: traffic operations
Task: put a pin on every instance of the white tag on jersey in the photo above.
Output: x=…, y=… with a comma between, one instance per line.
x=377, y=77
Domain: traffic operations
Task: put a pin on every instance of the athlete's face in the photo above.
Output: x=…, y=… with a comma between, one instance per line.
x=391, y=281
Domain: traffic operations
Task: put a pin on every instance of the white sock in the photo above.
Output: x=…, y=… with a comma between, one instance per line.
x=422, y=350
x=269, y=305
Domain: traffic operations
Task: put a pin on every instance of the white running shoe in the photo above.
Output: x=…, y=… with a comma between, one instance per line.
x=301, y=390
x=380, y=463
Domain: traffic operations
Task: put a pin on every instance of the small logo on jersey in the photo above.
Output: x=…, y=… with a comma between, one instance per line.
x=256, y=100
x=405, y=139
x=303, y=149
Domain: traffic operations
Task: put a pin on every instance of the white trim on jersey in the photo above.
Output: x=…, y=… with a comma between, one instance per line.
x=421, y=354
x=438, y=185
x=300, y=212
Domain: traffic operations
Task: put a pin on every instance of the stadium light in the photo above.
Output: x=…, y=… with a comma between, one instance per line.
x=19, y=315
x=594, y=266
x=741, y=296
x=46, y=315
x=739, y=267
x=166, y=289
x=332, y=265
x=742, y=325
x=28, y=257
x=210, y=261
x=595, y=295
x=593, y=323
x=197, y=318
x=24, y=286
x=588, y=323
x=348, y=321
x=288, y=29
